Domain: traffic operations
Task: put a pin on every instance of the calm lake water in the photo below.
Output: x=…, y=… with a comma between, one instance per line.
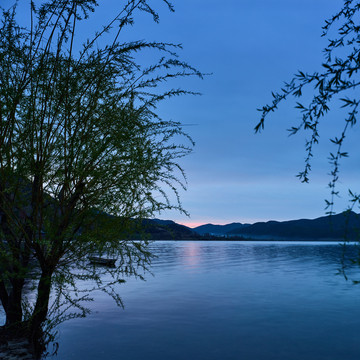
x=226, y=300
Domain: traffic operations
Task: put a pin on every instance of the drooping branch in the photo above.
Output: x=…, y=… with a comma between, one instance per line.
x=333, y=85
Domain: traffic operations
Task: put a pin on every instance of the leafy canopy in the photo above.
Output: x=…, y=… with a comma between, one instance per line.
x=82, y=147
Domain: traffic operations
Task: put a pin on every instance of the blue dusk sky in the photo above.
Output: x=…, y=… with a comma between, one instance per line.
x=251, y=47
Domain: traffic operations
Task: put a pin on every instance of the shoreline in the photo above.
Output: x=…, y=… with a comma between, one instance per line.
x=263, y=240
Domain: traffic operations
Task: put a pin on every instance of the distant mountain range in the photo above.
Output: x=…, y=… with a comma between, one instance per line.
x=345, y=225
x=218, y=229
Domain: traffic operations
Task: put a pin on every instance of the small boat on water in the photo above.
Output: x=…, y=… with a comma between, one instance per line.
x=102, y=261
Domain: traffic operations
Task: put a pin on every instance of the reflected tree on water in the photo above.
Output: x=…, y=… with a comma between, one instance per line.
x=83, y=152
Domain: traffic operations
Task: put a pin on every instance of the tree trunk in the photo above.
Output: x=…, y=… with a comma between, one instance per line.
x=14, y=309
x=12, y=297
x=42, y=304
x=4, y=297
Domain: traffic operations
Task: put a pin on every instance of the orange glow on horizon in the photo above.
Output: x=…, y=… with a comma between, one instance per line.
x=194, y=224
x=191, y=224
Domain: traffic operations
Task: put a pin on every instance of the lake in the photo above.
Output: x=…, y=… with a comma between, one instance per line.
x=226, y=300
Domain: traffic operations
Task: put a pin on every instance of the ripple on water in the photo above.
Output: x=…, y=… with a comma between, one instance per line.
x=226, y=300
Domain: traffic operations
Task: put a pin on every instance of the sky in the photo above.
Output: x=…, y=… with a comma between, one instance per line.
x=250, y=47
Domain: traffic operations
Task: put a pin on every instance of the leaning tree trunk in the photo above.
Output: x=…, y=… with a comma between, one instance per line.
x=42, y=304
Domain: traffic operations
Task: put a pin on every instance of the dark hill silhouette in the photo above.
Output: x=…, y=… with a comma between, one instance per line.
x=218, y=229
x=334, y=227
x=167, y=230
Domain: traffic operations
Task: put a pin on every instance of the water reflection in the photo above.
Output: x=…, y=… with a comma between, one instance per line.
x=226, y=300
x=192, y=254
x=258, y=254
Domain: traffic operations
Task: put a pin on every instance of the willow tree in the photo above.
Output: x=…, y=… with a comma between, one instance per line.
x=82, y=147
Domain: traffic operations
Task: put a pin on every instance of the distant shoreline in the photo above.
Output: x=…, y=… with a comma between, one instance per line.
x=263, y=240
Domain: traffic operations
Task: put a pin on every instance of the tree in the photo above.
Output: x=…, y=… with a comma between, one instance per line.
x=335, y=84
x=83, y=150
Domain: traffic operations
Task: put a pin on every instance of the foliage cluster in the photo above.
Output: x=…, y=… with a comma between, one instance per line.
x=82, y=148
